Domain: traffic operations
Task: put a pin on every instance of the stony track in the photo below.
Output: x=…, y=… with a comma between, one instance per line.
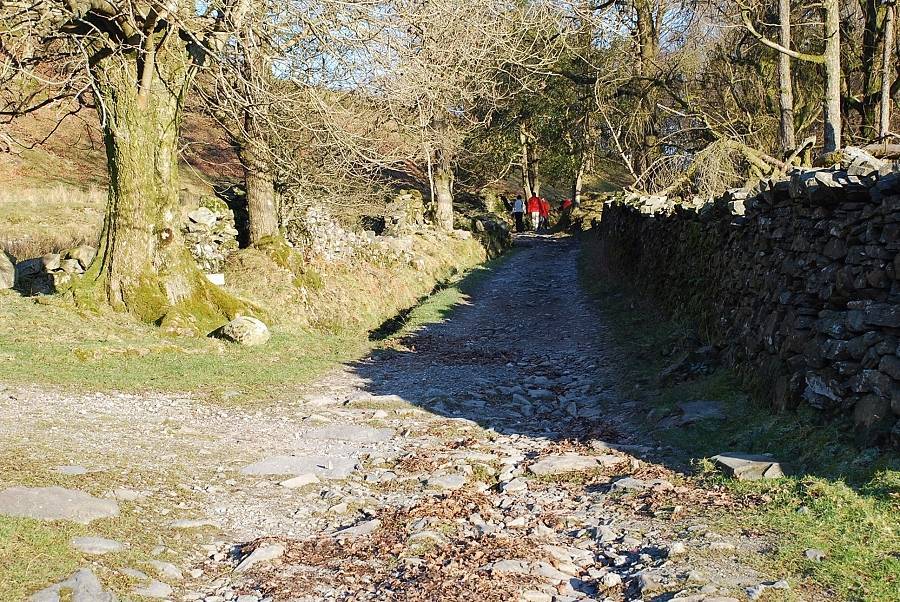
x=492, y=456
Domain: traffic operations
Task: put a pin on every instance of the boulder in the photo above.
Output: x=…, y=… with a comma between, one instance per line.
x=71, y=266
x=7, y=271
x=244, y=330
x=748, y=467
x=83, y=254
x=203, y=216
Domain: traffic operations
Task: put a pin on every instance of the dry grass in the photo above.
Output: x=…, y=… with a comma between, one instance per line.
x=35, y=221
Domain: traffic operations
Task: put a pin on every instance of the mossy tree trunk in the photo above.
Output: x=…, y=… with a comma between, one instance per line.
x=142, y=265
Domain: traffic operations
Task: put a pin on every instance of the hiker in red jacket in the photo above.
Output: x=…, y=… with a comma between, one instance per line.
x=534, y=209
x=545, y=214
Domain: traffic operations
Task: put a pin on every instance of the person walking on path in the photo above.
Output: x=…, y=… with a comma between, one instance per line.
x=534, y=209
x=545, y=214
x=518, y=211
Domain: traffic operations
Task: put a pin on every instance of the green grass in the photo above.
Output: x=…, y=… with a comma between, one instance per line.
x=851, y=497
x=35, y=554
x=50, y=343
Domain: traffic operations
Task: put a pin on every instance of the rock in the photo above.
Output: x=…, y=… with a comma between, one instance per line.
x=510, y=567
x=96, y=545
x=359, y=530
x=872, y=418
x=676, y=549
x=748, y=467
x=648, y=583
x=83, y=254
x=218, y=279
x=167, y=570
x=50, y=262
x=814, y=555
x=71, y=266
x=351, y=432
x=300, y=481
x=325, y=467
x=534, y=595
x=610, y=580
x=446, y=482
x=632, y=484
x=7, y=272
x=516, y=485
x=565, y=463
x=156, y=590
x=244, y=330
x=265, y=553
x=83, y=586
x=203, y=216
x=55, y=503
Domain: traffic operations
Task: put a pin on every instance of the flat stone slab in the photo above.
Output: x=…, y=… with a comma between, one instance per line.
x=83, y=586
x=300, y=481
x=350, y=432
x=748, y=467
x=564, y=463
x=55, y=503
x=265, y=553
x=358, y=530
x=96, y=545
x=156, y=590
x=632, y=484
x=325, y=467
x=446, y=482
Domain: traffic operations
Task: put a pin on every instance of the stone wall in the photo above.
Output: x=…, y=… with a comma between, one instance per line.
x=797, y=282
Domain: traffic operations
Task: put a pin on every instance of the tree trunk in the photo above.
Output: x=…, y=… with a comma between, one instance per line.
x=443, y=185
x=884, y=121
x=785, y=85
x=648, y=49
x=534, y=168
x=523, y=143
x=260, y=183
x=832, y=101
x=579, y=180
x=142, y=264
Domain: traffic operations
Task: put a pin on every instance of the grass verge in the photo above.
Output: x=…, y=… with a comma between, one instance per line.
x=838, y=499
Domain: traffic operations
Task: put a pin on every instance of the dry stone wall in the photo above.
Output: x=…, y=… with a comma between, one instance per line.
x=796, y=281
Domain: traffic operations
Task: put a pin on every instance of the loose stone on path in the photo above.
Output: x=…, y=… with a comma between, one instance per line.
x=328, y=467
x=83, y=586
x=55, y=503
x=564, y=463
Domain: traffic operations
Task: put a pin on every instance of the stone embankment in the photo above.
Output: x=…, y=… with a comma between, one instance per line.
x=797, y=281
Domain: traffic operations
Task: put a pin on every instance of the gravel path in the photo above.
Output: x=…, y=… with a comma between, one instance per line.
x=488, y=457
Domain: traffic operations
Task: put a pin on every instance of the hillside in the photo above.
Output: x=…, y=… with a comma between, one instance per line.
x=53, y=180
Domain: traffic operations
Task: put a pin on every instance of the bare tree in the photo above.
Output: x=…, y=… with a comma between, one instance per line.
x=830, y=59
